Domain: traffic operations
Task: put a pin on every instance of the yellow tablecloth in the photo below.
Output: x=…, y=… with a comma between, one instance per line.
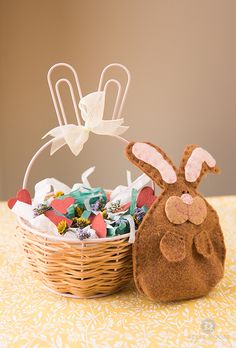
x=32, y=317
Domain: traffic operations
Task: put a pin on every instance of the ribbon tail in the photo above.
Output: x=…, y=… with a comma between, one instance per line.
x=55, y=132
x=56, y=145
x=110, y=127
x=76, y=150
x=72, y=135
x=121, y=130
x=76, y=139
x=58, y=141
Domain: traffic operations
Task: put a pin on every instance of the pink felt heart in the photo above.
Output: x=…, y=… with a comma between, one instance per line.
x=62, y=205
x=91, y=217
x=51, y=215
x=11, y=202
x=23, y=195
x=125, y=206
x=108, y=194
x=99, y=225
x=146, y=197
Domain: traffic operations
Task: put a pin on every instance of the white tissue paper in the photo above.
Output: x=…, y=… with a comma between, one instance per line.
x=123, y=193
x=84, y=179
x=46, y=186
x=23, y=210
x=70, y=235
x=43, y=224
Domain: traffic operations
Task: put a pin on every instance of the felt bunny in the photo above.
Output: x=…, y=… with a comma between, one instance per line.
x=179, y=249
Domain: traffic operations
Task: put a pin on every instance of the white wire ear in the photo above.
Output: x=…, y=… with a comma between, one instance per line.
x=121, y=92
x=56, y=96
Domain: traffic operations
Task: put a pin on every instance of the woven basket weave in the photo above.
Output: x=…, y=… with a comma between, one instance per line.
x=79, y=269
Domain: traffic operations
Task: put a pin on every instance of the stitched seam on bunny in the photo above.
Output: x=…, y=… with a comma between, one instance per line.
x=220, y=235
x=137, y=240
x=202, y=238
x=150, y=155
x=152, y=172
x=205, y=168
x=138, y=235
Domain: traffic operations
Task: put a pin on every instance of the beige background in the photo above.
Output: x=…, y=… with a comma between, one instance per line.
x=182, y=58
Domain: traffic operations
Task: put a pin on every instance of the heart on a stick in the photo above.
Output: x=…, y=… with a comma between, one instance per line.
x=99, y=225
x=146, y=197
x=62, y=205
x=125, y=206
x=23, y=195
x=51, y=215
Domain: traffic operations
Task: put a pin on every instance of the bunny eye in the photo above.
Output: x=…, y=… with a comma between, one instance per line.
x=183, y=192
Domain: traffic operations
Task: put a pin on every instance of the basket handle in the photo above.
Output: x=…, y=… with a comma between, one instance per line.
x=120, y=100
x=76, y=95
x=103, y=85
x=56, y=97
x=42, y=148
x=59, y=107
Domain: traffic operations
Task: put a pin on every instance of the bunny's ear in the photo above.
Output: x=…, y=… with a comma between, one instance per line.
x=75, y=92
x=195, y=163
x=122, y=85
x=153, y=162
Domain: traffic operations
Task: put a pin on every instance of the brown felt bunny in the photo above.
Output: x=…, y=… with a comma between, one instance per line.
x=179, y=249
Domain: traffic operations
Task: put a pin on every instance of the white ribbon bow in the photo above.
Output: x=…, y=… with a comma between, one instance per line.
x=75, y=136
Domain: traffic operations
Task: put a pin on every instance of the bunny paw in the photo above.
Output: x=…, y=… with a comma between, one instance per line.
x=172, y=246
x=203, y=244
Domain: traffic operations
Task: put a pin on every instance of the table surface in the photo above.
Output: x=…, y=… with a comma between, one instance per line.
x=32, y=317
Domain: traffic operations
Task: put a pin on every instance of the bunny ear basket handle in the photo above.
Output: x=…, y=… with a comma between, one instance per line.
x=89, y=112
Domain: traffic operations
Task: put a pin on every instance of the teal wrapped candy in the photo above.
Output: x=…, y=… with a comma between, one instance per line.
x=111, y=231
x=71, y=211
x=122, y=226
x=84, y=199
x=87, y=193
x=86, y=214
x=134, y=195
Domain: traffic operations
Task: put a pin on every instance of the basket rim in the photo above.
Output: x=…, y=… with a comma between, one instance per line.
x=70, y=241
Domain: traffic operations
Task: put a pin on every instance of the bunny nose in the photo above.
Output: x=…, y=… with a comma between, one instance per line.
x=186, y=198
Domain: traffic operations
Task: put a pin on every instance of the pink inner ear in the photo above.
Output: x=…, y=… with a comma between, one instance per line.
x=194, y=164
x=150, y=155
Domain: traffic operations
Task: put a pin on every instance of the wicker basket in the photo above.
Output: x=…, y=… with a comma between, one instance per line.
x=79, y=269
x=72, y=268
